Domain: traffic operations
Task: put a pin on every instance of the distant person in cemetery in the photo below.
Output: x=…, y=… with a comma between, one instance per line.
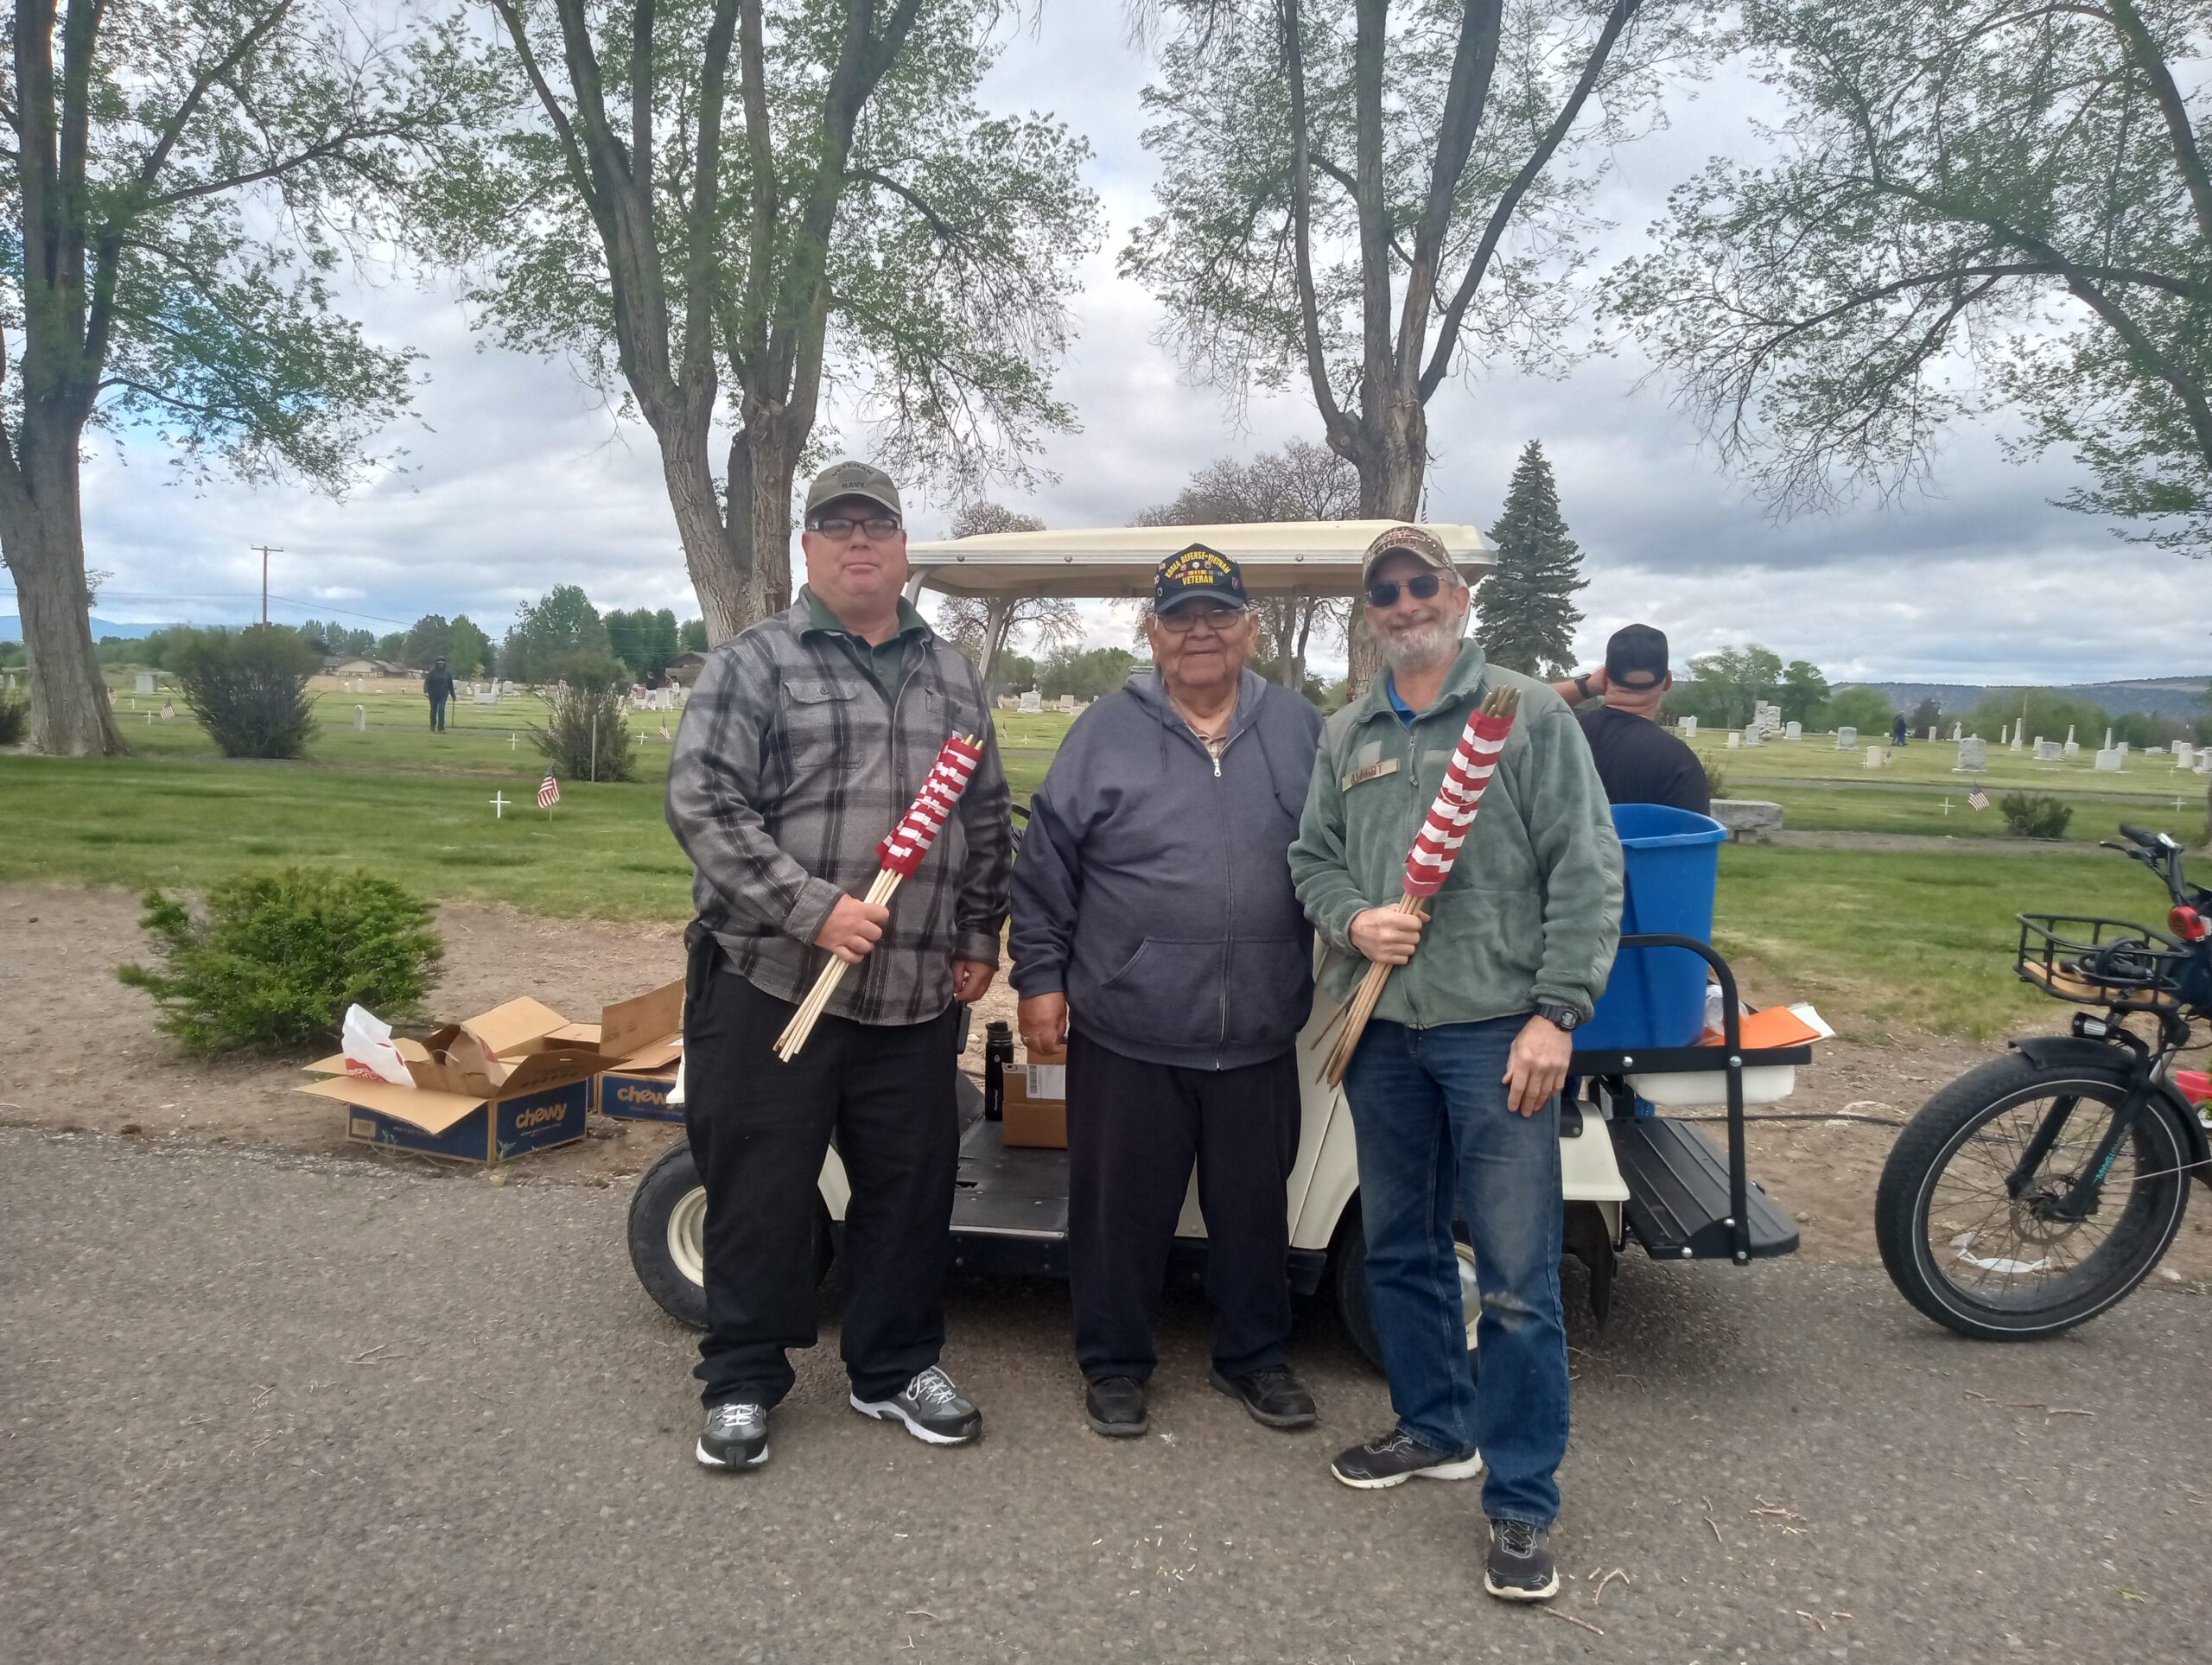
x=801, y=746
x=1897, y=729
x=1638, y=761
x=438, y=684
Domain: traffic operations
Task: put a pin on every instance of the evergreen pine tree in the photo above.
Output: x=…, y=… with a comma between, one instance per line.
x=1525, y=610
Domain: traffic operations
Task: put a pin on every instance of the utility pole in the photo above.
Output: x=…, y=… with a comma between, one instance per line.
x=265, y=553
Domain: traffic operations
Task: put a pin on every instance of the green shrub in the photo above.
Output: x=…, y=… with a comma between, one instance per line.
x=280, y=956
x=1716, y=780
x=586, y=737
x=15, y=720
x=249, y=688
x=2035, y=815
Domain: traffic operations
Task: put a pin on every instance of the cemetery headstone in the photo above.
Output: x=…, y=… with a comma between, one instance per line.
x=2109, y=760
x=1958, y=732
x=2183, y=749
x=1931, y=732
x=361, y=719
x=2046, y=750
x=1974, y=756
x=1872, y=760
x=1689, y=726
x=2185, y=755
x=1754, y=735
x=1735, y=739
x=1031, y=703
x=487, y=697
x=142, y=683
x=1067, y=704
x=1846, y=739
x=2020, y=729
x=2108, y=740
x=1792, y=731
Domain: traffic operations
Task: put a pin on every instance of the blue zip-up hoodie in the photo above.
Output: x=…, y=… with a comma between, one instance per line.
x=1152, y=885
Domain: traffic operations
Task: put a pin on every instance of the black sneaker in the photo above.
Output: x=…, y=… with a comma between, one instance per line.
x=1274, y=1396
x=1519, y=1566
x=1114, y=1406
x=735, y=1437
x=931, y=1409
x=1397, y=1457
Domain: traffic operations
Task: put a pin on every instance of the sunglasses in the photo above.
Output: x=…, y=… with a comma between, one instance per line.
x=1422, y=587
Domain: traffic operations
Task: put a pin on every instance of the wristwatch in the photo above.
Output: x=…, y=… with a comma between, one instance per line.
x=1563, y=1018
x=1582, y=684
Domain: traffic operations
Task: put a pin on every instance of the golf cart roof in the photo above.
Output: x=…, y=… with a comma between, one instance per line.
x=1307, y=557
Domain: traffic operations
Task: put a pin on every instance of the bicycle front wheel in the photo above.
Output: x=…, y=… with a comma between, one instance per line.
x=1988, y=1250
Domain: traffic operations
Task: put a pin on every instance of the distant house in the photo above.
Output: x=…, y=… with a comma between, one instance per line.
x=355, y=667
x=684, y=669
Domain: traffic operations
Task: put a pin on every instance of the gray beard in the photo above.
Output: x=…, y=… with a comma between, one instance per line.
x=1419, y=650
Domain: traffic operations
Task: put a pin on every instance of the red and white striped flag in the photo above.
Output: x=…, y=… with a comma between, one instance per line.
x=1976, y=799
x=1474, y=761
x=901, y=849
x=549, y=792
x=664, y=731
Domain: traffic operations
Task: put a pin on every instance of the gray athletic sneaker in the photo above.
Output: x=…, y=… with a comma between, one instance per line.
x=1519, y=1566
x=735, y=1436
x=931, y=1407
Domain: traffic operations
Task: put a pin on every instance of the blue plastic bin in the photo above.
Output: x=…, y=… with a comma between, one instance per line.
x=1655, y=996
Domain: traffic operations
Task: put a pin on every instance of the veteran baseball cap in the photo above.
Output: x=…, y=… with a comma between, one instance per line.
x=1422, y=544
x=853, y=479
x=1635, y=657
x=1197, y=571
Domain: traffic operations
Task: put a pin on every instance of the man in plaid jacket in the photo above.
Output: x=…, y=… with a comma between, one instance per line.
x=805, y=740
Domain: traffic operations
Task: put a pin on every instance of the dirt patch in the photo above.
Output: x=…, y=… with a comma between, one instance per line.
x=79, y=1051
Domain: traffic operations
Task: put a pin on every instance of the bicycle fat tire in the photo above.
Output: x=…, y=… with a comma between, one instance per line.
x=1924, y=1150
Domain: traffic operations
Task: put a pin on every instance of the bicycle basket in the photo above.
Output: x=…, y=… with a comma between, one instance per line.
x=2097, y=962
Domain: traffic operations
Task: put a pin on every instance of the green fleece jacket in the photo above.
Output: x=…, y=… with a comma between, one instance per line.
x=1532, y=911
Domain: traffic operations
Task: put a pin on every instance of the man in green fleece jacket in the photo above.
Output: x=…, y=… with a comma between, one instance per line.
x=1453, y=1089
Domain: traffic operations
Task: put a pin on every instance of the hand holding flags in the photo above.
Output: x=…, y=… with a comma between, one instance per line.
x=1436, y=846
x=899, y=851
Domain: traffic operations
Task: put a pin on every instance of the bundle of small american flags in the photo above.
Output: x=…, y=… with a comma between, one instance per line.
x=899, y=852
x=1436, y=846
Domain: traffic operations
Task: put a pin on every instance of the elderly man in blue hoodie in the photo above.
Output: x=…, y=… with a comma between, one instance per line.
x=1156, y=932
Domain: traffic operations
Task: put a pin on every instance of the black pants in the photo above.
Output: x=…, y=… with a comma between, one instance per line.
x=1133, y=1130
x=437, y=716
x=759, y=1130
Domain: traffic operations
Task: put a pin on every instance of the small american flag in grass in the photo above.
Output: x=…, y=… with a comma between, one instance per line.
x=1976, y=799
x=549, y=792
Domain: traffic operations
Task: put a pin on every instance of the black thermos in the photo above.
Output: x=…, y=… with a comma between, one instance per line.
x=998, y=1053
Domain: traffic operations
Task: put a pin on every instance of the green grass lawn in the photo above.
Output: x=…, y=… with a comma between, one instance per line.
x=1921, y=937
x=1925, y=939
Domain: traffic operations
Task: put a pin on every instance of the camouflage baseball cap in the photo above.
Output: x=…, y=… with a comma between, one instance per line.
x=1423, y=545
x=854, y=479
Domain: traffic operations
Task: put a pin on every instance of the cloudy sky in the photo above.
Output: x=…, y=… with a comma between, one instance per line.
x=519, y=477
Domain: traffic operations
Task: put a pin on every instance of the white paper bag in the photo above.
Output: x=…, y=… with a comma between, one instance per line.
x=369, y=1051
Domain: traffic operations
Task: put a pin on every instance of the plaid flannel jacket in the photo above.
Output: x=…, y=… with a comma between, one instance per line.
x=789, y=766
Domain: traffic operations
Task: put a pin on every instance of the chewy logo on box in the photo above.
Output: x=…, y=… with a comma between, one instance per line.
x=640, y=1098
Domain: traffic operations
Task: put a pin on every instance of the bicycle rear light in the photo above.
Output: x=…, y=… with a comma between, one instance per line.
x=2186, y=923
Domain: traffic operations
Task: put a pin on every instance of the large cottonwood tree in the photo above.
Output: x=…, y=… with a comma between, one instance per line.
x=180, y=179
x=1372, y=196
x=722, y=208
x=1976, y=208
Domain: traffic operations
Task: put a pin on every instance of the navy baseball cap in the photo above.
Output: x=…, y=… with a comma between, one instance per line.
x=1197, y=571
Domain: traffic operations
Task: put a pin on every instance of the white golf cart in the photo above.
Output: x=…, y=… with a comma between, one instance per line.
x=1657, y=1180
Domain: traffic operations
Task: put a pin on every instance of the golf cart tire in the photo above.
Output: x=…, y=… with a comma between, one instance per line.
x=1348, y=1259
x=669, y=1197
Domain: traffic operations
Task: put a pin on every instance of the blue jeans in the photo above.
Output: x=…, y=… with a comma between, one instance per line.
x=1437, y=1142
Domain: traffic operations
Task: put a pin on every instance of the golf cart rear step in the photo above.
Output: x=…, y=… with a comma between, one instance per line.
x=1678, y=1194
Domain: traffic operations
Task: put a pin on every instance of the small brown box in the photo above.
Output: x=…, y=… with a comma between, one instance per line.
x=1036, y=1104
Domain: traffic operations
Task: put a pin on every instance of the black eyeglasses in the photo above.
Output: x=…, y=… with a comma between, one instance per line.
x=839, y=529
x=1422, y=587
x=1181, y=621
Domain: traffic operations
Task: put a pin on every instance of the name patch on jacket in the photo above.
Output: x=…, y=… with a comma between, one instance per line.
x=1369, y=771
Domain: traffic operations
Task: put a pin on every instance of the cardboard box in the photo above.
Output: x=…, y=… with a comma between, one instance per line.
x=645, y=1039
x=514, y=1079
x=1036, y=1102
